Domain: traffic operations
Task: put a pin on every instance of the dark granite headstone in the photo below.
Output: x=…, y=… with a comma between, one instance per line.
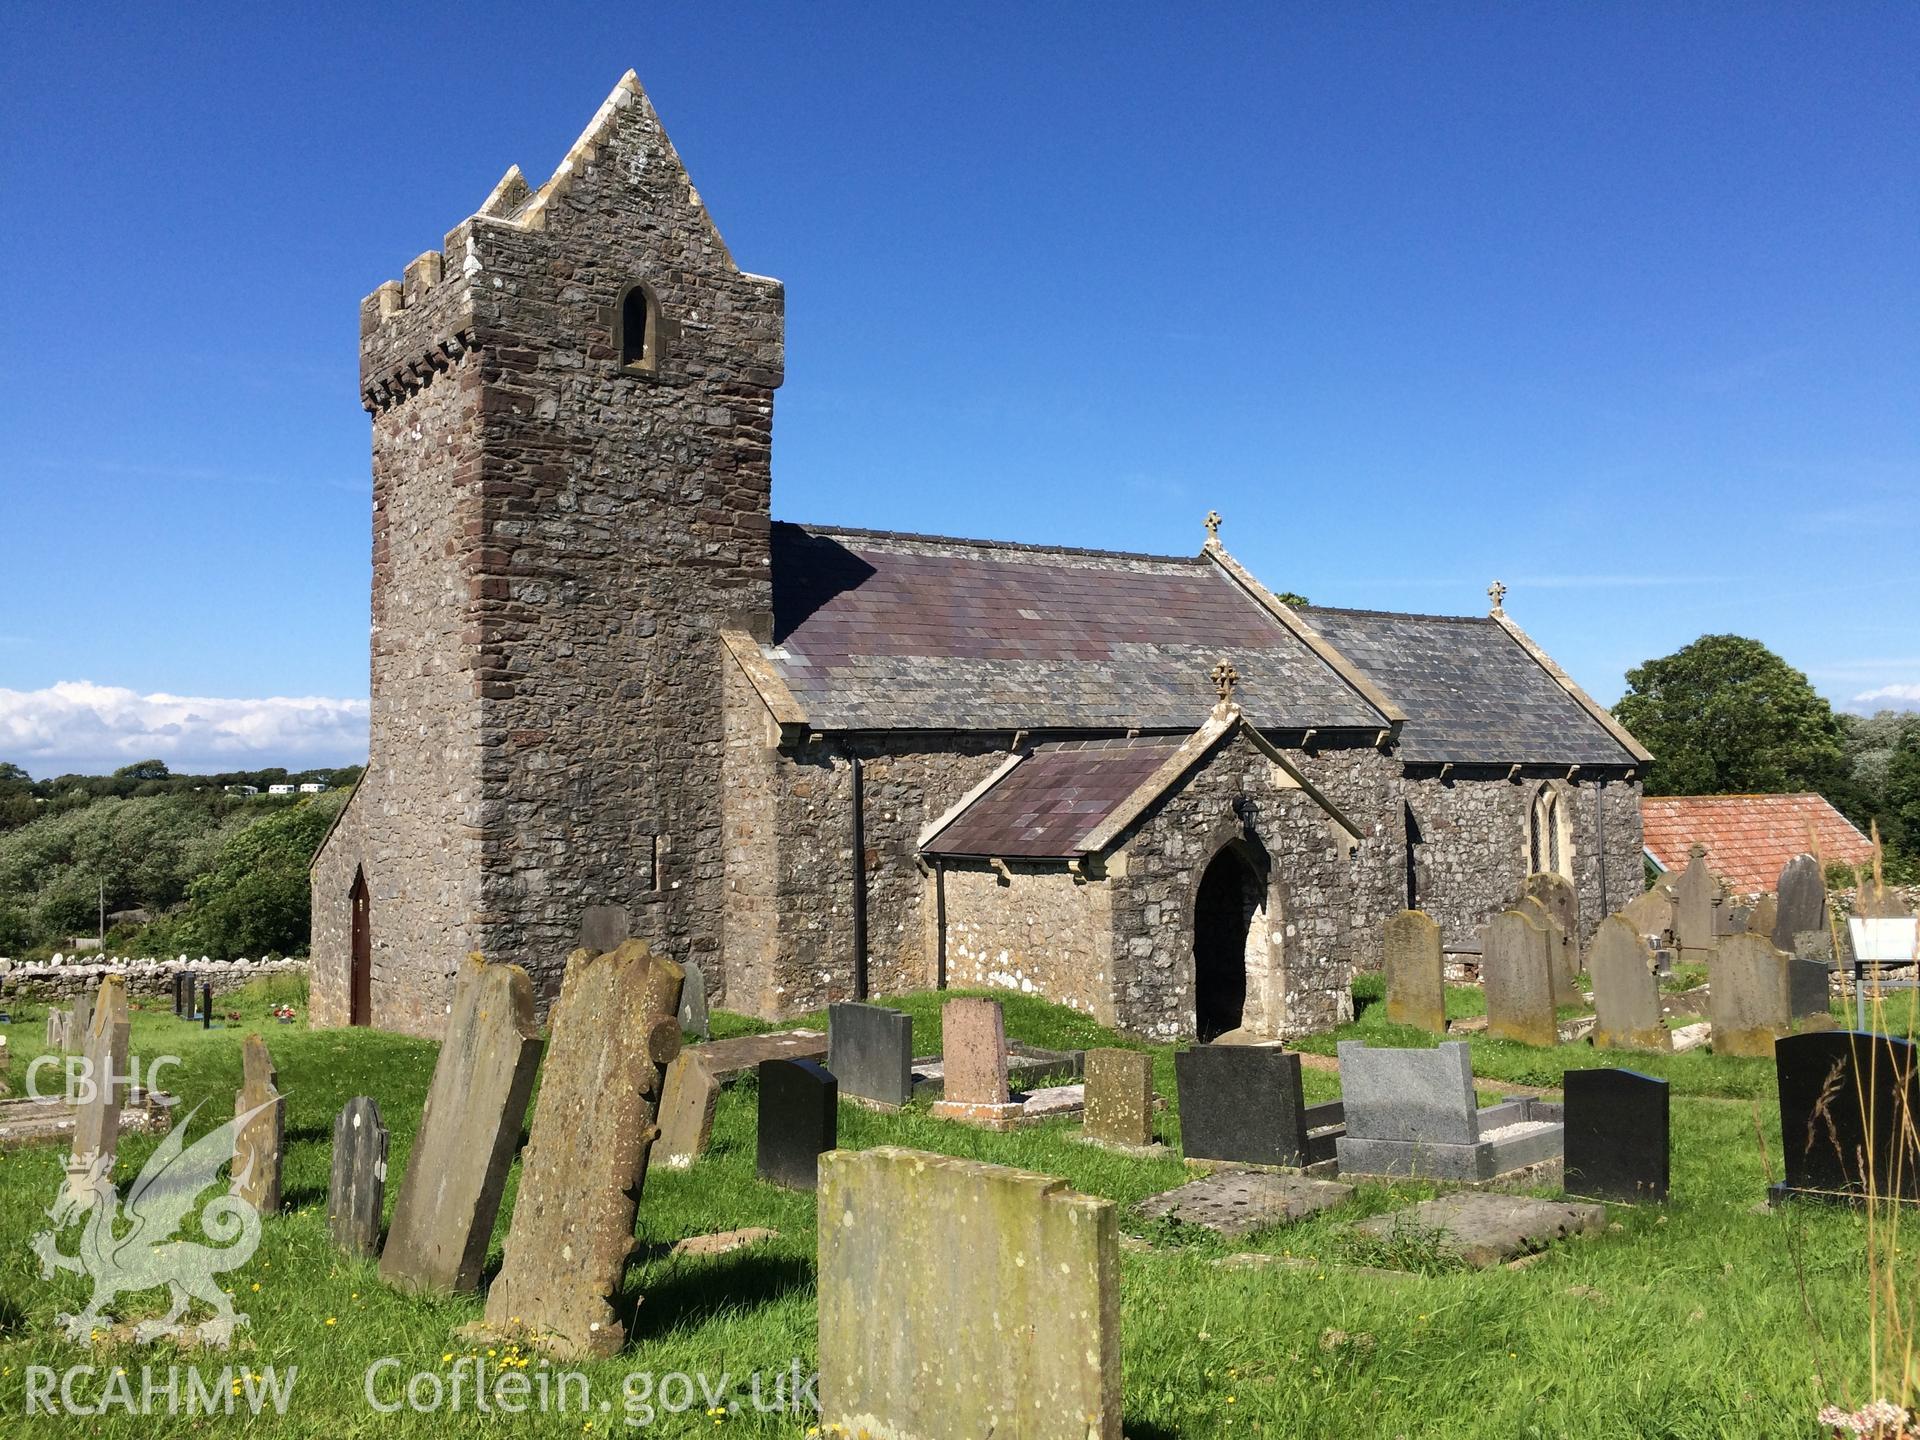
x=1808, y=997
x=1849, y=1105
x=799, y=1121
x=1244, y=1103
x=357, y=1183
x=693, y=1002
x=1616, y=1135
x=206, y=1005
x=870, y=1052
x=181, y=983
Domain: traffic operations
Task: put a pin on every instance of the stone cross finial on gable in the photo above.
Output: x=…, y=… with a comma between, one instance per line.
x=1225, y=677
x=1213, y=527
x=1497, y=593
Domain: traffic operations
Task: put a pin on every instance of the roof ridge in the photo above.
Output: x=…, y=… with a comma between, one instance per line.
x=1017, y=546
x=1752, y=795
x=1392, y=614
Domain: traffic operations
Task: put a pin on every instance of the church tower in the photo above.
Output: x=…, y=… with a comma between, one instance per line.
x=572, y=405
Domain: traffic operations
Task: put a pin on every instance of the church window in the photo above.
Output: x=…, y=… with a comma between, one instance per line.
x=636, y=331
x=1549, y=841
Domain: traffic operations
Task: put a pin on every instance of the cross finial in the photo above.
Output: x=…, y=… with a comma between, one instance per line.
x=1225, y=677
x=1213, y=527
x=1497, y=593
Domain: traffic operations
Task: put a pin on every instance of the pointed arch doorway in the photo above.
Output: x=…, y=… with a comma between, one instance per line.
x=1229, y=900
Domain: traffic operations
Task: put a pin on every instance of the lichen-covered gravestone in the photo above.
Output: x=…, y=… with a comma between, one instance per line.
x=1626, y=991
x=1695, y=896
x=1749, y=998
x=1517, y=972
x=613, y=1030
x=96, y=1123
x=450, y=1194
x=1119, y=1097
x=694, y=1019
x=688, y=1097
x=261, y=1138
x=974, y=1063
x=1562, y=955
x=1558, y=897
x=960, y=1300
x=1651, y=915
x=358, y=1182
x=1416, y=974
x=83, y=1013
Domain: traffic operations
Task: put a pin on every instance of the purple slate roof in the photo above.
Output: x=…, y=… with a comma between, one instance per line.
x=1052, y=800
x=899, y=632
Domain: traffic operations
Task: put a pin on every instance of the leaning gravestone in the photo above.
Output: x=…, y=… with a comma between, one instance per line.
x=261, y=1139
x=1616, y=1129
x=688, y=1097
x=870, y=1051
x=96, y=1123
x=1119, y=1097
x=1748, y=996
x=923, y=1260
x=450, y=1194
x=974, y=1063
x=1518, y=974
x=1802, y=906
x=799, y=1121
x=694, y=1019
x=1416, y=974
x=1244, y=1103
x=613, y=1030
x=1849, y=1116
x=357, y=1183
x=1696, y=894
x=1626, y=990
x=1562, y=953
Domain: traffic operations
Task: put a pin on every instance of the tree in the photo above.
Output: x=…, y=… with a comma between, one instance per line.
x=142, y=770
x=1725, y=715
x=1902, y=794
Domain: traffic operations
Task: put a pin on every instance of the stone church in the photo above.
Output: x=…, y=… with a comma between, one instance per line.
x=831, y=763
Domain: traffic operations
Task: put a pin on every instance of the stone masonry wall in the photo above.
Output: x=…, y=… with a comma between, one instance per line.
x=1038, y=930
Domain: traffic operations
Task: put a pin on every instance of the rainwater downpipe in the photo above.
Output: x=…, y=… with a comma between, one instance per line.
x=859, y=885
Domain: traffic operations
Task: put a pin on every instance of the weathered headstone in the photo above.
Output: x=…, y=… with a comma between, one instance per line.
x=922, y=1260
x=450, y=1194
x=974, y=1063
x=1119, y=1097
x=694, y=1019
x=1748, y=997
x=1558, y=897
x=1696, y=895
x=261, y=1139
x=1879, y=901
x=1617, y=1126
x=612, y=1032
x=1413, y=1113
x=1809, y=994
x=688, y=1097
x=1415, y=972
x=799, y=1121
x=1849, y=1114
x=96, y=1121
x=179, y=996
x=357, y=1183
x=1482, y=1229
x=1651, y=914
x=83, y=1014
x=1235, y=1203
x=603, y=928
x=1765, y=915
x=870, y=1051
x=1626, y=990
x=1517, y=972
x=1802, y=904
x=1563, y=956
x=1244, y=1103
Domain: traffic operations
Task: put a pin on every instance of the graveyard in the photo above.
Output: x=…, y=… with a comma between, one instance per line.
x=1712, y=1313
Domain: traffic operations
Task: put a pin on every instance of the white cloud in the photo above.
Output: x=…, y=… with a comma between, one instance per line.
x=77, y=726
x=1887, y=697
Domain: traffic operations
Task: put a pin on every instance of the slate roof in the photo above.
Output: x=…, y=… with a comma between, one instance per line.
x=1054, y=798
x=901, y=632
x=1749, y=838
x=1472, y=695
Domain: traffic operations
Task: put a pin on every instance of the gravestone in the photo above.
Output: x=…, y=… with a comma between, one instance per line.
x=1413, y=1113
x=1517, y=972
x=1651, y=914
x=1236, y=1203
x=57, y=1029
x=612, y=1032
x=1119, y=1097
x=799, y=1121
x=688, y=1097
x=960, y=1300
x=83, y=1015
x=357, y=1184
x=1696, y=895
x=1626, y=990
x=179, y=996
x=1617, y=1125
x=870, y=1051
x=973, y=1059
x=1802, y=904
x=1747, y=996
x=1765, y=915
x=1483, y=1230
x=603, y=928
x=206, y=1005
x=261, y=1139
x=96, y=1121
x=1558, y=898
x=1733, y=919
x=1244, y=1103
x=693, y=1002
x=1562, y=955
x=469, y=1129
x=1880, y=902
x=1415, y=972
x=1809, y=994
x=1849, y=1112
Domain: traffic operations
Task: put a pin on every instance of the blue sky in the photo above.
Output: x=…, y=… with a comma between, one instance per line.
x=1616, y=303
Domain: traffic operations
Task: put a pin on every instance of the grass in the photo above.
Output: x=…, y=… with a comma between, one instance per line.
x=1690, y=1319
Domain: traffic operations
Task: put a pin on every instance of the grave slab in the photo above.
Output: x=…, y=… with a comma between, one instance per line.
x=727, y=1060
x=1482, y=1228
x=1236, y=1203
